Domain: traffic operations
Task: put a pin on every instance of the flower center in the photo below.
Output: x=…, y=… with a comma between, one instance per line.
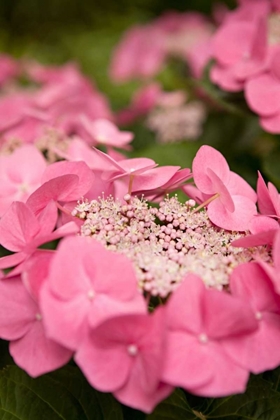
x=132, y=350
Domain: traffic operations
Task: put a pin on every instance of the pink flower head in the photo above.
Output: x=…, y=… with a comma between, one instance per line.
x=101, y=131
x=258, y=351
x=66, y=96
x=18, y=179
x=240, y=49
x=202, y=324
x=187, y=35
x=76, y=297
x=125, y=355
x=21, y=322
x=231, y=200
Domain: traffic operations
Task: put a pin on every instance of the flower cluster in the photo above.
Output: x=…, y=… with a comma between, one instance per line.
x=103, y=264
x=144, y=297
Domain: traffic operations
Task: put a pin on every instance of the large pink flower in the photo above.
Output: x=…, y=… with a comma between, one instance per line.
x=87, y=284
x=202, y=323
x=125, y=355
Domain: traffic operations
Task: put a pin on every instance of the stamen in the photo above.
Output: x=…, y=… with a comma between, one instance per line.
x=201, y=206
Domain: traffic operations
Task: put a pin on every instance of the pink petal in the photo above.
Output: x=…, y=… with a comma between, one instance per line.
x=261, y=238
x=208, y=157
x=154, y=178
x=232, y=41
x=263, y=95
x=271, y=123
x=228, y=377
x=184, y=307
x=238, y=220
x=35, y=272
x=80, y=169
x=221, y=189
x=65, y=321
x=262, y=224
x=17, y=309
x=57, y=189
x=236, y=185
x=12, y=260
x=18, y=227
x=184, y=366
x=259, y=352
x=100, y=362
x=276, y=251
x=37, y=354
x=224, y=77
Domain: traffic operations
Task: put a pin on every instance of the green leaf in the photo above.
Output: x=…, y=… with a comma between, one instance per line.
x=180, y=154
x=259, y=402
x=175, y=407
x=61, y=395
x=271, y=167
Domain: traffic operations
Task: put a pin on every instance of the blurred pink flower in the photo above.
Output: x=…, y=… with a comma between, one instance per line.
x=9, y=69
x=18, y=177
